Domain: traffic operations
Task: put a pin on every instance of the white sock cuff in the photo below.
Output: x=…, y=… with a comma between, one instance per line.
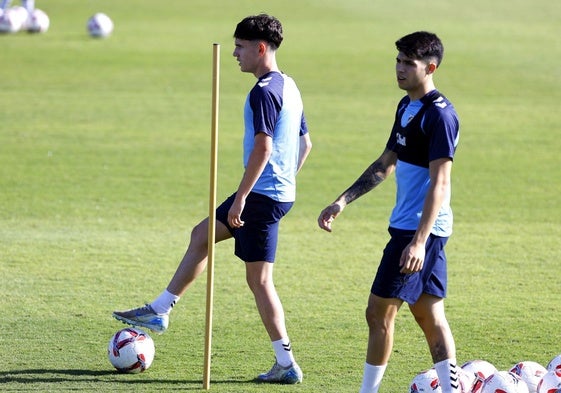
x=283, y=351
x=447, y=371
x=372, y=378
x=165, y=302
x=445, y=362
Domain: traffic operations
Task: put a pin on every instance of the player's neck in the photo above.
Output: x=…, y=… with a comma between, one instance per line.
x=268, y=65
x=420, y=91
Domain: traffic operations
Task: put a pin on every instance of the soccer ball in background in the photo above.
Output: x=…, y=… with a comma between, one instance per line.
x=480, y=370
x=551, y=382
x=18, y=18
x=38, y=22
x=131, y=350
x=530, y=372
x=12, y=20
x=425, y=382
x=20, y=14
x=504, y=382
x=8, y=23
x=100, y=25
x=555, y=363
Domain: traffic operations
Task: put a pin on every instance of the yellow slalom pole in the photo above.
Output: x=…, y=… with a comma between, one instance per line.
x=211, y=213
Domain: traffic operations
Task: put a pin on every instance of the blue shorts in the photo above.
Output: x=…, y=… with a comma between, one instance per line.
x=256, y=240
x=432, y=279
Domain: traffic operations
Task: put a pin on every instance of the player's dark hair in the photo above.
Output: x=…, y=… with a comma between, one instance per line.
x=260, y=27
x=421, y=45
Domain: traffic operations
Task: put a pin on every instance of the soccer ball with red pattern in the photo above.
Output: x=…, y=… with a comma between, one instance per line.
x=554, y=363
x=131, y=350
x=551, y=382
x=425, y=382
x=530, y=372
x=465, y=380
x=504, y=382
x=479, y=370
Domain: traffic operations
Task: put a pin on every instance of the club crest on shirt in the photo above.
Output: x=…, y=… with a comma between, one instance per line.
x=401, y=140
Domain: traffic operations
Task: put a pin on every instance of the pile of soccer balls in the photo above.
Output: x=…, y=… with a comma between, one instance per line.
x=480, y=376
x=19, y=18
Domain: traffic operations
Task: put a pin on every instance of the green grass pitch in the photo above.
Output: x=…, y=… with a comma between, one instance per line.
x=104, y=162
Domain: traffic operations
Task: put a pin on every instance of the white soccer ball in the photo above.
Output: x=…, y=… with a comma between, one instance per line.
x=530, y=372
x=12, y=19
x=466, y=380
x=425, y=381
x=555, y=363
x=38, y=21
x=551, y=382
x=480, y=370
x=131, y=350
x=504, y=382
x=100, y=25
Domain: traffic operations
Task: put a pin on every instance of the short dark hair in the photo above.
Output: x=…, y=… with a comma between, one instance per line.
x=421, y=45
x=260, y=27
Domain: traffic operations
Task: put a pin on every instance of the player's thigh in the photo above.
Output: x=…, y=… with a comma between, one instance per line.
x=200, y=232
x=428, y=307
x=258, y=273
x=380, y=308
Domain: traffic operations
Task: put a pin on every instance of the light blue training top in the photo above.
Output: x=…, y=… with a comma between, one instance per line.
x=274, y=106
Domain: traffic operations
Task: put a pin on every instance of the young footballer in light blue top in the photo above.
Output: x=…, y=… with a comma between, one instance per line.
x=420, y=151
x=275, y=145
x=274, y=107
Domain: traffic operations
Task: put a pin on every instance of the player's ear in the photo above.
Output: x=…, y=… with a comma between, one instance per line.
x=431, y=67
x=262, y=48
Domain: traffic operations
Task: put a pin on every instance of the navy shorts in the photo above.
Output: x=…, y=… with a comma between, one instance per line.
x=256, y=240
x=432, y=279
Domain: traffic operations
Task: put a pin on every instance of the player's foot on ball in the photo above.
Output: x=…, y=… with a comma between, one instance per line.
x=144, y=317
x=286, y=375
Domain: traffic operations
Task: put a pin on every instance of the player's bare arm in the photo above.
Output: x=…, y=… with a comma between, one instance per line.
x=258, y=158
x=370, y=178
x=413, y=256
x=305, y=148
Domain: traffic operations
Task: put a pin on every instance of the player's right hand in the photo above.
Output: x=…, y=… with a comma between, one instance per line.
x=327, y=216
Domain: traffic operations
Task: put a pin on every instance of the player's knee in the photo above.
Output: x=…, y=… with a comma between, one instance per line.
x=420, y=319
x=375, y=320
x=257, y=281
x=199, y=236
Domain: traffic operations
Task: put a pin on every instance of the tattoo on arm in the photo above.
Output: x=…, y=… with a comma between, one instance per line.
x=372, y=176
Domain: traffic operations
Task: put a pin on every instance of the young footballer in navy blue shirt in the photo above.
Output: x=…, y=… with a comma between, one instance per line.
x=420, y=150
x=275, y=145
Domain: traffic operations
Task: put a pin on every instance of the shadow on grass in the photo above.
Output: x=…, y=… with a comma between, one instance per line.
x=36, y=376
